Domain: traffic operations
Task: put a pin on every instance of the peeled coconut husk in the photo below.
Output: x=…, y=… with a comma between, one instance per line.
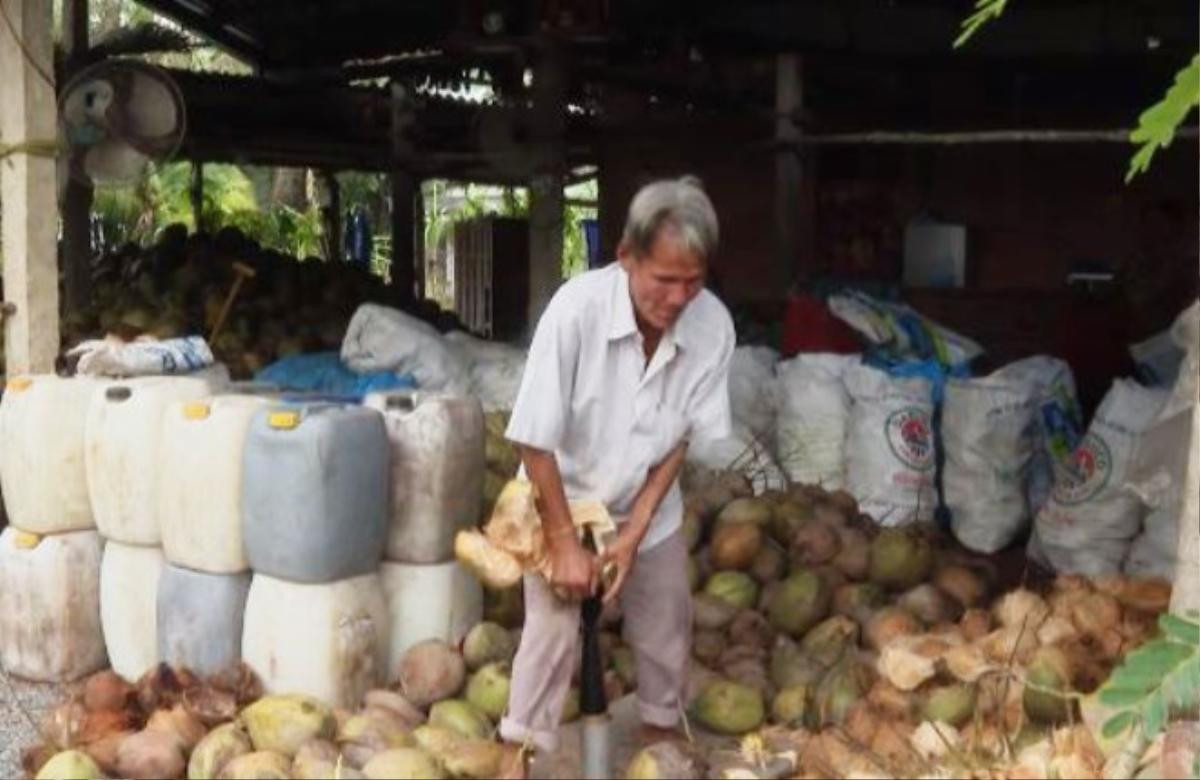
x=62, y=726
x=790, y=706
x=889, y=700
x=486, y=643
x=745, y=510
x=975, y=624
x=177, y=721
x=930, y=605
x=707, y=645
x=210, y=706
x=889, y=623
x=1055, y=630
x=799, y=603
x=488, y=689
x=496, y=568
x=315, y=760
x=961, y=583
x=461, y=717
x=411, y=763
x=735, y=588
x=854, y=556
x=149, y=755
x=829, y=640
x=216, y=749
x=734, y=545
x=788, y=516
x=750, y=627
x=431, y=671
x=900, y=559
x=966, y=663
x=1009, y=644
x=770, y=563
x=902, y=664
x=70, y=764
x=163, y=687
x=662, y=761
x=104, y=750
x=371, y=731
x=814, y=543
x=260, y=765
x=712, y=613
x=107, y=690
x=282, y=723
x=858, y=600
x=396, y=703
x=727, y=707
x=240, y=680
x=1048, y=682
x=1021, y=607
x=839, y=690
x=1096, y=614
x=953, y=704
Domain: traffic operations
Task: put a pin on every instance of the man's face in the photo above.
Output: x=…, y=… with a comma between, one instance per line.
x=663, y=282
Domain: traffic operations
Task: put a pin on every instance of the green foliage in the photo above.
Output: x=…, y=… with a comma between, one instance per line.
x=1157, y=124
x=1158, y=680
x=985, y=11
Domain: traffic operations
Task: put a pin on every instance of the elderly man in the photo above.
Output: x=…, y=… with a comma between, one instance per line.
x=628, y=362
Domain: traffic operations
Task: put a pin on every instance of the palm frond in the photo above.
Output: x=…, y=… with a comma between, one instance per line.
x=144, y=38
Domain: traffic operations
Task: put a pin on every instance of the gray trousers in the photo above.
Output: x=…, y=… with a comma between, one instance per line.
x=657, y=606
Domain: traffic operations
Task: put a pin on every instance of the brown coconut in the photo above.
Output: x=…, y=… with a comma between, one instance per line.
x=734, y=545
x=815, y=543
x=431, y=671
x=854, y=555
x=889, y=623
x=963, y=584
x=770, y=563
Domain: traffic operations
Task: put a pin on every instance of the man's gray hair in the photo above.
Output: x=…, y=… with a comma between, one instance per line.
x=679, y=205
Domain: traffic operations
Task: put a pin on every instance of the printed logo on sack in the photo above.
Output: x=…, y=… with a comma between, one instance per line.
x=910, y=437
x=1087, y=472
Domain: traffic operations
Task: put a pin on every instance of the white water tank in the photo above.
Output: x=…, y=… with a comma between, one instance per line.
x=440, y=601
x=50, y=605
x=42, y=469
x=200, y=482
x=129, y=577
x=327, y=640
x=436, y=471
x=124, y=428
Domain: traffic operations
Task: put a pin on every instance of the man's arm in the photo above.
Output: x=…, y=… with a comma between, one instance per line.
x=571, y=566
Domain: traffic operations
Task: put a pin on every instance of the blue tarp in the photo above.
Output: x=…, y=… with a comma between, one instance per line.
x=324, y=373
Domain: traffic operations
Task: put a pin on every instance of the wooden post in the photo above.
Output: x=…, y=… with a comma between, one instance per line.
x=419, y=239
x=404, y=186
x=546, y=199
x=1185, y=595
x=789, y=100
x=77, y=196
x=329, y=198
x=27, y=187
x=197, y=194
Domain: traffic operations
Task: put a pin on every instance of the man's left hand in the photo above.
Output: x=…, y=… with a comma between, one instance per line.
x=622, y=553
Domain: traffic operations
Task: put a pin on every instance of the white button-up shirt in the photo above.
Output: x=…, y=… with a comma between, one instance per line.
x=589, y=396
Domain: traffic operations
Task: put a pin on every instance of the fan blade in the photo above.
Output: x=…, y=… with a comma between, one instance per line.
x=113, y=161
x=150, y=109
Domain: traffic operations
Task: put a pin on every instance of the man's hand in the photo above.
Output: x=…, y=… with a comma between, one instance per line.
x=572, y=568
x=622, y=553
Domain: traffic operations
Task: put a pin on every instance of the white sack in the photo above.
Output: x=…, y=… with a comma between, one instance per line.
x=890, y=456
x=495, y=370
x=384, y=339
x=1152, y=553
x=813, y=412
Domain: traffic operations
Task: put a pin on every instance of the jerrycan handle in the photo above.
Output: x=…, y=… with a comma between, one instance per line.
x=400, y=402
x=118, y=394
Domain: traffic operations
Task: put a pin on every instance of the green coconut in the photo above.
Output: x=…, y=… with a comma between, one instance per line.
x=461, y=717
x=283, y=723
x=1048, y=685
x=901, y=558
x=220, y=746
x=799, y=603
x=787, y=517
x=260, y=765
x=70, y=765
x=487, y=643
x=488, y=689
x=839, y=690
x=711, y=613
x=755, y=511
x=859, y=600
x=729, y=708
x=663, y=761
x=404, y=764
x=790, y=667
x=953, y=704
x=830, y=639
x=735, y=588
x=790, y=706
x=769, y=564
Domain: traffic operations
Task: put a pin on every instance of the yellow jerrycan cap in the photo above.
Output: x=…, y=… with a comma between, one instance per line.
x=196, y=410
x=24, y=540
x=19, y=383
x=284, y=420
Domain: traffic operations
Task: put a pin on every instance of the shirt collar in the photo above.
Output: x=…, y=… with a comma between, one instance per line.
x=622, y=323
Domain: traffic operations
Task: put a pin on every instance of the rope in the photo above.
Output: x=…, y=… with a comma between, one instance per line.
x=32, y=148
x=12, y=28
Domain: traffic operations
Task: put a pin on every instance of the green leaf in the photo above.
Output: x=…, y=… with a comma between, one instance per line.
x=1118, y=724
x=985, y=11
x=1157, y=124
x=1154, y=714
x=1121, y=697
x=1179, y=629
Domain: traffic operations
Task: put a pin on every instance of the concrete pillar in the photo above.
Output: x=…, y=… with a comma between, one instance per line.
x=548, y=137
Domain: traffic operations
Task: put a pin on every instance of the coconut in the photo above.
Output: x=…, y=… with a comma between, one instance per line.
x=830, y=640
x=262, y=765
x=209, y=705
x=624, y=663
x=493, y=566
x=179, y=723
x=1096, y=614
x=854, y=553
x=570, y=710
x=745, y=510
x=218, y=748
x=368, y=732
x=839, y=690
x=844, y=502
x=751, y=673
x=283, y=723
x=966, y=663
x=711, y=613
x=505, y=606
x=790, y=667
x=930, y=604
x=1021, y=608
x=70, y=764
x=900, y=558
x=902, y=664
x=858, y=600
x=751, y=628
x=461, y=756
x=707, y=645
x=693, y=526
x=150, y=754
x=396, y=703
x=953, y=704
x=485, y=643
x=729, y=708
x=769, y=564
x=662, y=761
x=431, y=671
x=790, y=706
x=814, y=543
x=829, y=574
x=735, y=588
x=890, y=701
x=787, y=517
x=963, y=584
x=315, y=760
x=107, y=690
x=734, y=545
x=1006, y=644
x=105, y=749
x=889, y=623
x=461, y=717
x=488, y=689
x=799, y=603
x=975, y=624
x=405, y=763
x=1047, y=685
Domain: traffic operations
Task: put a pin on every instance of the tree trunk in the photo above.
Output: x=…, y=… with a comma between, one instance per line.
x=289, y=187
